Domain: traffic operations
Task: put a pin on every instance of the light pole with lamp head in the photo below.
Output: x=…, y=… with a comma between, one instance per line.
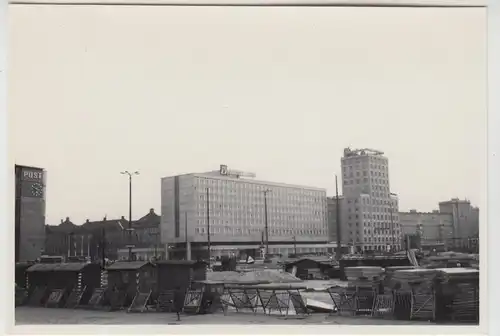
x=266, y=227
x=130, y=245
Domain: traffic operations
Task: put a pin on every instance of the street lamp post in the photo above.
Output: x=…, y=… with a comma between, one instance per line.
x=130, y=246
x=338, y=253
x=266, y=227
x=208, y=229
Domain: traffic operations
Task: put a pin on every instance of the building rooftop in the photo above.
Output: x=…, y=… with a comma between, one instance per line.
x=217, y=175
x=455, y=200
x=127, y=265
x=151, y=219
x=60, y=267
x=348, y=152
x=415, y=212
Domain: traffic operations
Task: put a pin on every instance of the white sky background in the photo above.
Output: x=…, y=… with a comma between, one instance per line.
x=275, y=91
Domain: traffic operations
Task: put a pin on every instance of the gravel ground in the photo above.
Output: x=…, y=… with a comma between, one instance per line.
x=32, y=315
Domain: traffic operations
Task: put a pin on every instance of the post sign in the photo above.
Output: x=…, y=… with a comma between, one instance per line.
x=32, y=182
x=30, y=174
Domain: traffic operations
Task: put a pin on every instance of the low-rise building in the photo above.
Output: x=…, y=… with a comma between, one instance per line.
x=465, y=219
x=432, y=227
x=89, y=239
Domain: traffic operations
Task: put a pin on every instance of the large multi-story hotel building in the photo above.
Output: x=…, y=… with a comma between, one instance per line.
x=372, y=210
x=234, y=209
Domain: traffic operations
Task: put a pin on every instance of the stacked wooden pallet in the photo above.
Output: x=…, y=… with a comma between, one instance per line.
x=420, y=283
x=363, y=276
x=413, y=276
x=389, y=282
x=389, y=271
x=363, y=272
x=464, y=285
x=465, y=304
x=458, y=274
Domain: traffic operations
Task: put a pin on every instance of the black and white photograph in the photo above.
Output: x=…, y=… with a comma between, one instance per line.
x=251, y=164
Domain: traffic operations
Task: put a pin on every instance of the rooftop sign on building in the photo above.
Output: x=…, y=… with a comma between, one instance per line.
x=223, y=170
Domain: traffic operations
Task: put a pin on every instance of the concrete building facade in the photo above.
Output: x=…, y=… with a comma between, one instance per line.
x=29, y=212
x=465, y=219
x=296, y=215
x=372, y=210
x=432, y=227
x=332, y=219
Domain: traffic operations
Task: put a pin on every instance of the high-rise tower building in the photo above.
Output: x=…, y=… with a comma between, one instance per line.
x=372, y=210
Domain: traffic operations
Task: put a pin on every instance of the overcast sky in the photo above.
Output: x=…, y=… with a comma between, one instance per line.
x=275, y=91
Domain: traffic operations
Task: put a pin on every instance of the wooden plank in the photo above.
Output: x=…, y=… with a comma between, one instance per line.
x=242, y=299
x=465, y=303
x=226, y=301
x=269, y=301
x=165, y=302
x=344, y=300
x=364, y=300
x=298, y=303
x=21, y=296
x=55, y=298
x=139, y=303
x=75, y=297
x=423, y=307
x=383, y=305
x=35, y=299
x=97, y=297
x=117, y=299
x=192, y=301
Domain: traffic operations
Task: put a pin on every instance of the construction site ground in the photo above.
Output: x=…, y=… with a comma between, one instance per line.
x=39, y=316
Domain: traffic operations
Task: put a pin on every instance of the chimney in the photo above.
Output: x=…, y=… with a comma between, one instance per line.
x=123, y=218
x=87, y=221
x=62, y=221
x=104, y=219
x=151, y=211
x=67, y=219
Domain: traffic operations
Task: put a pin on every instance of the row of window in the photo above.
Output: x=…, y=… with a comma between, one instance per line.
x=365, y=173
x=366, y=180
x=375, y=239
x=350, y=166
x=240, y=185
x=375, y=226
x=372, y=201
x=378, y=247
x=271, y=222
x=368, y=211
x=255, y=231
x=259, y=214
x=254, y=197
x=374, y=216
x=249, y=219
x=260, y=207
x=365, y=160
